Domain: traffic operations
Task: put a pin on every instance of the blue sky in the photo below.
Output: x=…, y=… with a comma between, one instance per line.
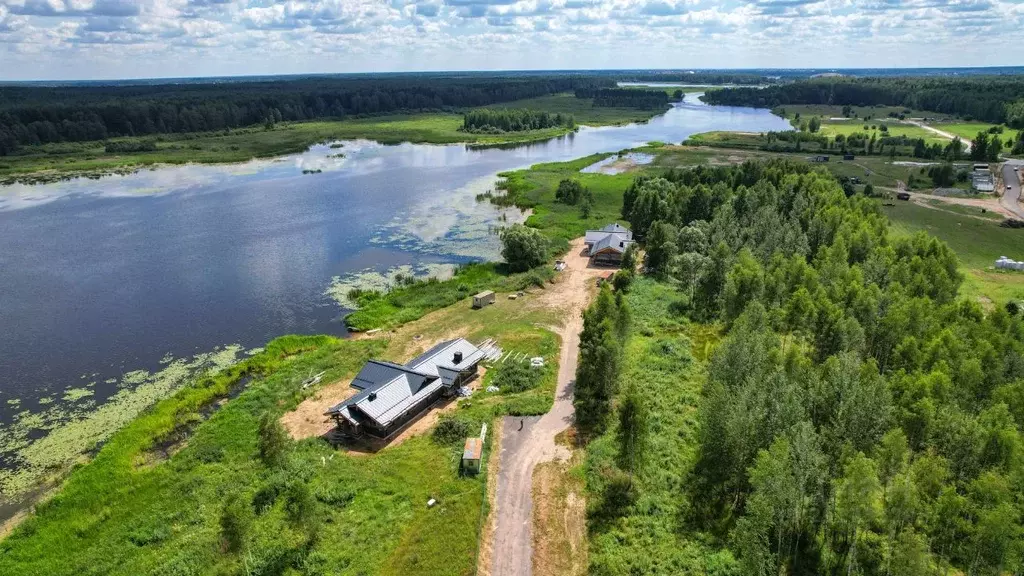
x=90, y=39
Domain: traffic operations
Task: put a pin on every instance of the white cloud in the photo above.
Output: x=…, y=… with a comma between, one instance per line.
x=117, y=38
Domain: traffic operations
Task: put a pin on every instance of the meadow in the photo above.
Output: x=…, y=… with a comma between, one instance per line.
x=968, y=130
x=977, y=241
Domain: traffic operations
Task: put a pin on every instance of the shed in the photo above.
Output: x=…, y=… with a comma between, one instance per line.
x=483, y=299
x=848, y=156
x=471, y=455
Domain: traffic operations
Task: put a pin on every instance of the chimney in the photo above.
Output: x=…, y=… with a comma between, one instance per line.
x=457, y=358
x=372, y=396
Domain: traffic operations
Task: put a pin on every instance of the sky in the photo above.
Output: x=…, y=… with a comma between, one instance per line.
x=111, y=39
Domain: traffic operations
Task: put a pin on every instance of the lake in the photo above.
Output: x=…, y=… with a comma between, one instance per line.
x=104, y=277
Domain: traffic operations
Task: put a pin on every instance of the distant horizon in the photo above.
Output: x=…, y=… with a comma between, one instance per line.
x=794, y=71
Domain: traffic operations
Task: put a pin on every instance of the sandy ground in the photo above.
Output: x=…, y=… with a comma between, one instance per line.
x=308, y=420
x=559, y=520
x=523, y=449
x=989, y=203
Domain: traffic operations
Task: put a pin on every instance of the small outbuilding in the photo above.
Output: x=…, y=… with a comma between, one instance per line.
x=471, y=455
x=848, y=156
x=483, y=299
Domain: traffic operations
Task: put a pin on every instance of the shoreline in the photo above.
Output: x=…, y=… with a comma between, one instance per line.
x=52, y=163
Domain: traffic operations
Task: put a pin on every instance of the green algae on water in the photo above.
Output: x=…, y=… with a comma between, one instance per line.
x=76, y=424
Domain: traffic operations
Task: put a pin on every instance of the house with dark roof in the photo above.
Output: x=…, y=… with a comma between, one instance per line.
x=606, y=246
x=390, y=395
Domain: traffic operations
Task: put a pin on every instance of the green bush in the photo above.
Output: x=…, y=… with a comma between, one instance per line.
x=453, y=429
x=516, y=376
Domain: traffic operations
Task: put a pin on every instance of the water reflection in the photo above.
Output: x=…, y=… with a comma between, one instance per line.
x=105, y=276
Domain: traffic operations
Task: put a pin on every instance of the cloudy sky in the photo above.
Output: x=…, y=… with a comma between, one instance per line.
x=92, y=39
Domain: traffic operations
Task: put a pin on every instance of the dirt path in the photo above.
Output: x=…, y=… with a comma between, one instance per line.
x=522, y=449
x=943, y=133
x=988, y=203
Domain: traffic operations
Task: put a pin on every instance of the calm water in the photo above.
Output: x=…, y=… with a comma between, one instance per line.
x=100, y=277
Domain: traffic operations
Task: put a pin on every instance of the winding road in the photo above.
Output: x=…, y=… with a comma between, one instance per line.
x=1011, y=190
x=526, y=442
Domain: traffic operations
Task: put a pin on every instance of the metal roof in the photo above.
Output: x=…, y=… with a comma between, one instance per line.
x=389, y=390
x=613, y=241
x=440, y=360
x=395, y=398
x=594, y=236
x=473, y=450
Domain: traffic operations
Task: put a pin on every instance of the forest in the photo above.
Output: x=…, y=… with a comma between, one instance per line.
x=996, y=99
x=625, y=98
x=856, y=417
x=31, y=115
x=488, y=121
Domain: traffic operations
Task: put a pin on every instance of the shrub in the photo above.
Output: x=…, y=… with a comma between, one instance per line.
x=569, y=192
x=523, y=247
x=234, y=523
x=272, y=441
x=516, y=376
x=452, y=429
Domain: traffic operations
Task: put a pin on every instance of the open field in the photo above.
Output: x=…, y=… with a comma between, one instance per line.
x=977, y=242
x=968, y=130
x=894, y=128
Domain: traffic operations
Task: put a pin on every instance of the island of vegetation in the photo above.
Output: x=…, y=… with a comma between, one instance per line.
x=487, y=121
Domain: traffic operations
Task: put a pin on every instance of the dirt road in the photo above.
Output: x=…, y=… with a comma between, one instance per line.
x=943, y=133
x=521, y=450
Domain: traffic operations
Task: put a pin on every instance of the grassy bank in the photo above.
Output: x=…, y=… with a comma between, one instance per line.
x=53, y=161
x=153, y=499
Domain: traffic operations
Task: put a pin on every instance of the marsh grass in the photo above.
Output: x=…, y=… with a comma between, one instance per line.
x=368, y=514
x=647, y=536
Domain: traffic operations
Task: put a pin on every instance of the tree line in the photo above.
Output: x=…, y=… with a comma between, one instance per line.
x=859, y=417
x=996, y=99
x=31, y=115
x=513, y=120
x=625, y=98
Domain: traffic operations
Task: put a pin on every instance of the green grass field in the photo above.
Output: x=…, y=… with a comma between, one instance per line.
x=977, y=242
x=894, y=128
x=968, y=130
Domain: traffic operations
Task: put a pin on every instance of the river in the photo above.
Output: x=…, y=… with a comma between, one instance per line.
x=102, y=277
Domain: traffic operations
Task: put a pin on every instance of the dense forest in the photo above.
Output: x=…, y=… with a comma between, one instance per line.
x=744, y=78
x=625, y=98
x=857, y=418
x=994, y=99
x=487, y=121
x=37, y=115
